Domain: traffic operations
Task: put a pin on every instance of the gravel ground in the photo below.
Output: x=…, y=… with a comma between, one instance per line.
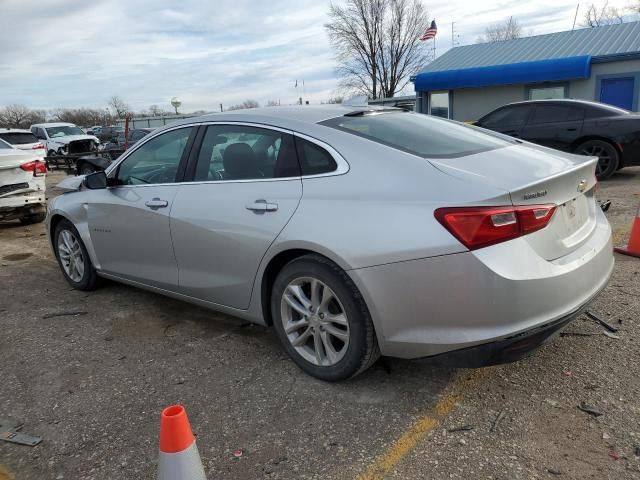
x=93, y=384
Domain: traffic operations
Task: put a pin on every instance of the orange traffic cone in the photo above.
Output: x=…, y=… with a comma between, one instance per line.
x=179, y=457
x=633, y=247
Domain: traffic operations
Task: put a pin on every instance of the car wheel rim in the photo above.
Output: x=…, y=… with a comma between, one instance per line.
x=602, y=154
x=71, y=257
x=315, y=321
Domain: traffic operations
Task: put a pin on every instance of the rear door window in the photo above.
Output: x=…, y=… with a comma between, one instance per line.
x=555, y=113
x=314, y=160
x=419, y=134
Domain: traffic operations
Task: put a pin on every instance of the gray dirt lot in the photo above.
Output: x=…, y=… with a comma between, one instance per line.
x=93, y=385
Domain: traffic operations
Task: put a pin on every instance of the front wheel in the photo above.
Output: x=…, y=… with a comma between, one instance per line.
x=87, y=169
x=608, y=157
x=322, y=320
x=73, y=258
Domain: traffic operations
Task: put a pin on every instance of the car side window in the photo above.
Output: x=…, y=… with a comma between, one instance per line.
x=241, y=152
x=156, y=161
x=555, y=113
x=314, y=160
x=515, y=116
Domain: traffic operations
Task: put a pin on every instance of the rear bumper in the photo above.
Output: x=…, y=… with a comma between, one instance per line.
x=489, y=299
x=510, y=349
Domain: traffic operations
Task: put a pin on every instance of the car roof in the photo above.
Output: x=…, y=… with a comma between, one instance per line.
x=562, y=100
x=54, y=124
x=285, y=117
x=14, y=130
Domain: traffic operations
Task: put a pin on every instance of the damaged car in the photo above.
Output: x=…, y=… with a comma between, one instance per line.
x=64, y=138
x=22, y=185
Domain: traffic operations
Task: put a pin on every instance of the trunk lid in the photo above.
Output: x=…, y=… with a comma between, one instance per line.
x=13, y=179
x=539, y=175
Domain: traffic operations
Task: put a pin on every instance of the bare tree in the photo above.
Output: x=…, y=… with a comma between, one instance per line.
x=79, y=116
x=597, y=17
x=377, y=44
x=156, y=111
x=245, y=104
x=333, y=100
x=20, y=116
x=119, y=106
x=498, y=32
x=273, y=103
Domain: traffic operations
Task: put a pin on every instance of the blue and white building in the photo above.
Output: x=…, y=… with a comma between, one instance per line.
x=601, y=64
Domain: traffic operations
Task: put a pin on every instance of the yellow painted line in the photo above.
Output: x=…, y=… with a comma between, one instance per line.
x=402, y=446
x=5, y=474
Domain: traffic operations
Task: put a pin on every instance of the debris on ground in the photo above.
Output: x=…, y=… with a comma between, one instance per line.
x=554, y=471
x=10, y=432
x=71, y=313
x=497, y=421
x=613, y=454
x=606, y=325
x=237, y=452
x=611, y=335
x=590, y=409
x=463, y=428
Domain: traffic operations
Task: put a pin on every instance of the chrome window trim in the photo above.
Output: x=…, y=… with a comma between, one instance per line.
x=342, y=165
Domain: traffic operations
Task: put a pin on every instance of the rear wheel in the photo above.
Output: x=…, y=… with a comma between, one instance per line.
x=73, y=258
x=608, y=157
x=322, y=320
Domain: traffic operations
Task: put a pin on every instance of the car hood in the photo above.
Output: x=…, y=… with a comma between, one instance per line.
x=70, y=138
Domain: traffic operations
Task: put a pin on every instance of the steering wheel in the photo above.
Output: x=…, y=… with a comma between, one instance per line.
x=166, y=174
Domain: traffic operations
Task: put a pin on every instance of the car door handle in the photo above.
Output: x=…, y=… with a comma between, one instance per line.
x=573, y=129
x=156, y=203
x=262, y=206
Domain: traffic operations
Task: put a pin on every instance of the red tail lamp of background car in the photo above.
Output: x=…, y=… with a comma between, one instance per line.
x=36, y=166
x=478, y=227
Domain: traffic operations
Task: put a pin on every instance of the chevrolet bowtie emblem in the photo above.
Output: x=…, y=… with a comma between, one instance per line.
x=582, y=186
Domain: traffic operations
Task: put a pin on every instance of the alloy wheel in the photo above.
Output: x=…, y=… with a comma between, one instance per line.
x=314, y=321
x=71, y=256
x=604, y=157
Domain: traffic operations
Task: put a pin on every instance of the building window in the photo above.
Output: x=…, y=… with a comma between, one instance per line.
x=547, y=92
x=439, y=104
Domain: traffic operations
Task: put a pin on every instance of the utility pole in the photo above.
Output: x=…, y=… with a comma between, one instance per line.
x=454, y=36
x=575, y=18
x=221, y=109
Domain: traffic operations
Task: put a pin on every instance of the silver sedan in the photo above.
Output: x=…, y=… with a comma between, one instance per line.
x=354, y=231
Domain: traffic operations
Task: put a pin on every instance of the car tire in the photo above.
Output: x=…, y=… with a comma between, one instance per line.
x=86, y=169
x=608, y=156
x=73, y=258
x=340, y=339
x=31, y=219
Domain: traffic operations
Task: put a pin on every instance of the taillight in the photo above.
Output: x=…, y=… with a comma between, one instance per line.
x=478, y=227
x=37, y=167
x=37, y=146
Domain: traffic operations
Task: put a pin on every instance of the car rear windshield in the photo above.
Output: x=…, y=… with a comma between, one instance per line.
x=419, y=134
x=4, y=145
x=18, y=138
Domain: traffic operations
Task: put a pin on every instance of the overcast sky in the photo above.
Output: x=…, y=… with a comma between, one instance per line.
x=68, y=53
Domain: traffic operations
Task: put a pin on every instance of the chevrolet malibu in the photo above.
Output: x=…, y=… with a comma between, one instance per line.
x=353, y=231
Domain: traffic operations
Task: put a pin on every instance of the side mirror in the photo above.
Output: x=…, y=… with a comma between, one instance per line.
x=96, y=181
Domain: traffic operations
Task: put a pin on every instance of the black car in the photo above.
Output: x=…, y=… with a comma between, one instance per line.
x=108, y=134
x=576, y=126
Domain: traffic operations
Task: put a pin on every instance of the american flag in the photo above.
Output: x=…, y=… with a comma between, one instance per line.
x=430, y=32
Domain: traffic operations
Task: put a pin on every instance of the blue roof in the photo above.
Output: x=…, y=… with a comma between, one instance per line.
x=556, y=69
x=600, y=43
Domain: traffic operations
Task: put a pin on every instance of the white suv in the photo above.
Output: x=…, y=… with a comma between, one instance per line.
x=22, y=185
x=64, y=138
x=23, y=140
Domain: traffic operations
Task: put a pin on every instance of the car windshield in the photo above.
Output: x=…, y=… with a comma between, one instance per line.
x=55, y=132
x=419, y=134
